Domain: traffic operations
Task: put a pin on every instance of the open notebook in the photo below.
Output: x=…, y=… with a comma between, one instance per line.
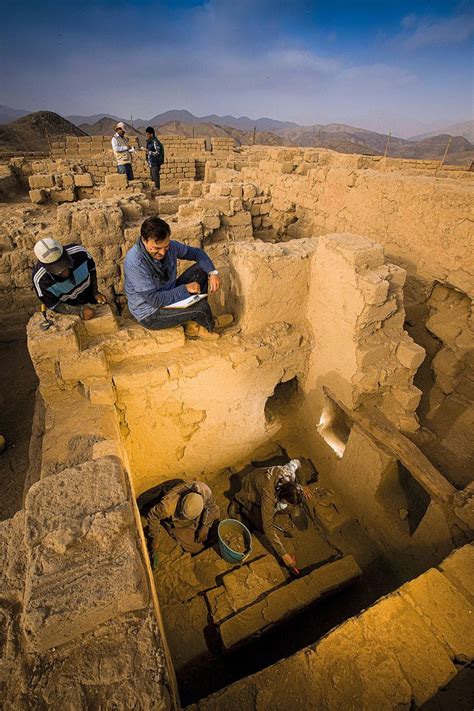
x=185, y=303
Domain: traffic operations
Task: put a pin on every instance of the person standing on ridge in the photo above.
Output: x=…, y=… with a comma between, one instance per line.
x=155, y=154
x=122, y=151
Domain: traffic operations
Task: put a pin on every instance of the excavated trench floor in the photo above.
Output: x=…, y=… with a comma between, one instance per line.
x=18, y=383
x=226, y=622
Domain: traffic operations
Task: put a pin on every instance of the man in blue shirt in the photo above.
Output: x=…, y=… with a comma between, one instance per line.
x=152, y=284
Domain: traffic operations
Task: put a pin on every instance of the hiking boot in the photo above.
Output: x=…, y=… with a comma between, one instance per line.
x=223, y=320
x=194, y=330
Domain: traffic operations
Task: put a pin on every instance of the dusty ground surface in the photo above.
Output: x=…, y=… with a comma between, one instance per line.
x=18, y=384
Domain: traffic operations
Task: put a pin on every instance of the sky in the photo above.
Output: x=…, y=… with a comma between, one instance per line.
x=393, y=65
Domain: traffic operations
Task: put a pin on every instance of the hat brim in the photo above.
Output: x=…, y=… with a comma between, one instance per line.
x=59, y=265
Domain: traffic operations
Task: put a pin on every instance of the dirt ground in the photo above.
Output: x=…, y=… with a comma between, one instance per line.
x=18, y=384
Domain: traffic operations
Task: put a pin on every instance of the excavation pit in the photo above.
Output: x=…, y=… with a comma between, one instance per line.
x=317, y=366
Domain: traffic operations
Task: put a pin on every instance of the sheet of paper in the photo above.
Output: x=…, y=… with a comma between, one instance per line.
x=185, y=303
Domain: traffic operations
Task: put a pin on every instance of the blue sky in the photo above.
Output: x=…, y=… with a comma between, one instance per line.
x=397, y=66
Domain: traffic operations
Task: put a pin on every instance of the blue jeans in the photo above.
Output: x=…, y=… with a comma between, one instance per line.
x=200, y=312
x=126, y=169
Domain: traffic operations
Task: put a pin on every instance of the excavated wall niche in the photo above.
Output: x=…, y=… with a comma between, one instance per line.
x=318, y=340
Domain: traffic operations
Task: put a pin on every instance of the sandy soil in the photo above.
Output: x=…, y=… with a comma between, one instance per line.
x=18, y=384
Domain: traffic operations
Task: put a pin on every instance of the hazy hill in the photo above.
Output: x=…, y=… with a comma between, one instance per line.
x=106, y=127
x=91, y=119
x=7, y=114
x=243, y=123
x=208, y=130
x=33, y=132
x=333, y=134
x=465, y=129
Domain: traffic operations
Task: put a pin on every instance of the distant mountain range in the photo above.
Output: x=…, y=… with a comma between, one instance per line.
x=465, y=129
x=33, y=132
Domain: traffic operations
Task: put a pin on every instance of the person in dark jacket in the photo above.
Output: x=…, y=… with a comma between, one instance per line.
x=153, y=287
x=65, y=278
x=155, y=154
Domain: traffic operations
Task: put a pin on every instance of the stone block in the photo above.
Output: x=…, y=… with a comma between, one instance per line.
x=83, y=180
x=219, y=604
x=459, y=567
x=58, y=195
x=72, y=593
x=61, y=338
x=43, y=180
x=247, y=583
x=84, y=566
x=90, y=364
x=353, y=675
x=445, y=610
x=37, y=196
x=394, y=624
x=238, y=220
x=288, y=599
x=410, y=354
x=185, y=624
x=104, y=322
x=116, y=180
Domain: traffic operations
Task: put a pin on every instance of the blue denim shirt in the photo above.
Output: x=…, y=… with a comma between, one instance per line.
x=146, y=292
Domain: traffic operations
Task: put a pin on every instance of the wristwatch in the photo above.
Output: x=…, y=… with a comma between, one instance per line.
x=213, y=273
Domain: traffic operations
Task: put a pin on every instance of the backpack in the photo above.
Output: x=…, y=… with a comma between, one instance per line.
x=153, y=496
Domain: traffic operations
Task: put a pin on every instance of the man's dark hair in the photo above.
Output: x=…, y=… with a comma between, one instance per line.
x=289, y=492
x=150, y=129
x=155, y=228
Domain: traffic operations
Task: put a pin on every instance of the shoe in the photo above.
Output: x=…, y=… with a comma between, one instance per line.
x=223, y=320
x=194, y=330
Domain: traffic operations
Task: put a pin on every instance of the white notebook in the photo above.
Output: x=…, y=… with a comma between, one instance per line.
x=193, y=299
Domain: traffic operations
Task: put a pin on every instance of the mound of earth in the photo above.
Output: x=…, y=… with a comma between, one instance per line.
x=34, y=132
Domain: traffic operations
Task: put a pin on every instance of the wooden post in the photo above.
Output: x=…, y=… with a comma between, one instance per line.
x=254, y=133
x=446, y=151
x=387, y=144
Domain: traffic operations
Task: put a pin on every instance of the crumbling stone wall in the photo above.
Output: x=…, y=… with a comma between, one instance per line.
x=450, y=414
x=77, y=624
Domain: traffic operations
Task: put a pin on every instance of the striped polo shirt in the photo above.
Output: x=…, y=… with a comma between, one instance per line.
x=75, y=289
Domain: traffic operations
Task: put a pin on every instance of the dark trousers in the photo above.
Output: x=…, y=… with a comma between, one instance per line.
x=126, y=169
x=200, y=312
x=155, y=175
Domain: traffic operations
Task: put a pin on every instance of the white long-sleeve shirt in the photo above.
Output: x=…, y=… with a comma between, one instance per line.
x=117, y=146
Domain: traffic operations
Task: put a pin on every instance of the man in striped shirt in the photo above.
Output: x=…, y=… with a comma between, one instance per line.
x=65, y=278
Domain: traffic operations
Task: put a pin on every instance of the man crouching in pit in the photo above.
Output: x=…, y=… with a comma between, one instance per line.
x=153, y=287
x=187, y=511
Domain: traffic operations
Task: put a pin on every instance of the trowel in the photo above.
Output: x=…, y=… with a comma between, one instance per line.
x=46, y=324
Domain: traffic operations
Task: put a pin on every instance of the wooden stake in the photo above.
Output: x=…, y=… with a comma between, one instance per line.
x=446, y=151
x=387, y=144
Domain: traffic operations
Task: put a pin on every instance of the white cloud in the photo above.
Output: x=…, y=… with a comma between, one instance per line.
x=428, y=32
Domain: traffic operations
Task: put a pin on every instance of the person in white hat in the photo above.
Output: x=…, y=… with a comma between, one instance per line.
x=65, y=278
x=122, y=151
x=187, y=511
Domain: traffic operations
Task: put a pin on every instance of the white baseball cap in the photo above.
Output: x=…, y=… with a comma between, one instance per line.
x=120, y=125
x=52, y=255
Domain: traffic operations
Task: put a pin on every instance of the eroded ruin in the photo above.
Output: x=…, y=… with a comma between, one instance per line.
x=351, y=280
